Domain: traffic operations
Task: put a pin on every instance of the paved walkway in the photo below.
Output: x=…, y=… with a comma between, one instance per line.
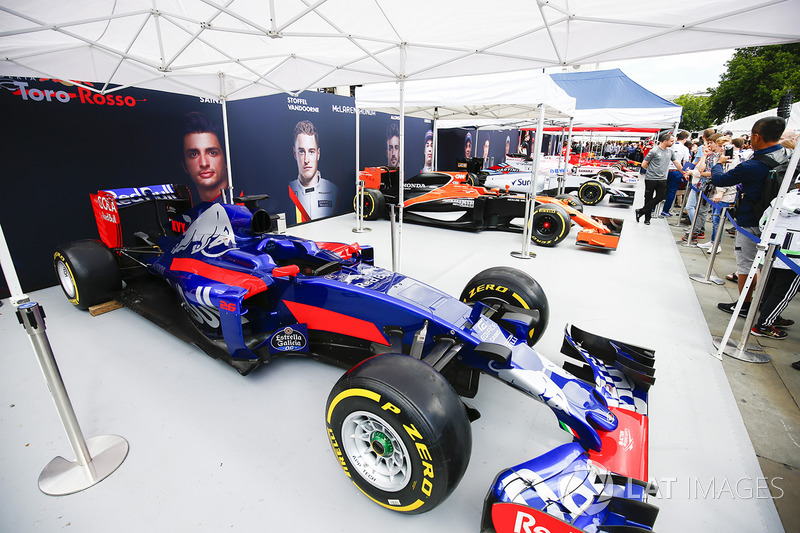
x=767, y=394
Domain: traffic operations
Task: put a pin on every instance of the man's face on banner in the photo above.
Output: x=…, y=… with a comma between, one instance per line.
x=468, y=149
x=429, y=153
x=393, y=151
x=204, y=161
x=486, y=150
x=307, y=153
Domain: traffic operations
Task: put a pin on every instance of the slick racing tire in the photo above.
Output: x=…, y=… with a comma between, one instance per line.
x=400, y=432
x=607, y=176
x=550, y=224
x=88, y=272
x=509, y=285
x=374, y=204
x=591, y=192
x=573, y=201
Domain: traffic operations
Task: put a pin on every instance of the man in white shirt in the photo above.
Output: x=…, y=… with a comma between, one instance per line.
x=312, y=195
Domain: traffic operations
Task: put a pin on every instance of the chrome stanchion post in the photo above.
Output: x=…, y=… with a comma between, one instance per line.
x=708, y=278
x=741, y=352
x=692, y=223
x=394, y=241
x=360, y=209
x=96, y=458
x=688, y=189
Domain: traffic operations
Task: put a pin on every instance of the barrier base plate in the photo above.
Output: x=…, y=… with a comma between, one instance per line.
x=61, y=477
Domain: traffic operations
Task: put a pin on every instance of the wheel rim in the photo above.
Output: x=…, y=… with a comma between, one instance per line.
x=544, y=226
x=65, y=277
x=375, y=451
x=590, y=194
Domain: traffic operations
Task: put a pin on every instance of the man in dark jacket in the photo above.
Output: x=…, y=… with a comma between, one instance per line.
x=751, y=174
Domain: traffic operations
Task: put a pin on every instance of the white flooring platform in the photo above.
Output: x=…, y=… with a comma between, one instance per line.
x=211, y=450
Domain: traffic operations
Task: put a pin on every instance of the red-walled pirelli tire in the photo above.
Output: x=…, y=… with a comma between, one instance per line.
x=550, y=224
x=88, y=272
x=512, y=286
x=400, y=432
x=591, y=192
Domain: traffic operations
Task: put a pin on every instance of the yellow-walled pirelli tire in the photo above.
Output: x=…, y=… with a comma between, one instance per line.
x=374, y=204
x=572, y=201
x=511, y=286
x=400, y=432
x=88, y=272
x=591, y=192
x=607, y=175
x=550, y=224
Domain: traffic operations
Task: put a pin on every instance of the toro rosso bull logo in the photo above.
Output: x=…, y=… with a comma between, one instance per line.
x=211, y=234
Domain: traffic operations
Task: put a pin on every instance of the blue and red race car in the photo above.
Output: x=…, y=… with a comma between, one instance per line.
x=216, y=276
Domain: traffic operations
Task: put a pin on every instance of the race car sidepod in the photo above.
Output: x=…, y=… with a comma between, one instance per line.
x=574, y=488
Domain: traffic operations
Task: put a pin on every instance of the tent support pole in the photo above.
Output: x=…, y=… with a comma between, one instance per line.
x=224, y=100
x=359, y=183
x=562, y=176
x=435, y=157
x=530, y=200
x=10, y=273
x=398, y=252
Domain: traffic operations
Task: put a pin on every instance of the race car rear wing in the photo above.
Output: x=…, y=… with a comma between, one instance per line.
x=107, y=203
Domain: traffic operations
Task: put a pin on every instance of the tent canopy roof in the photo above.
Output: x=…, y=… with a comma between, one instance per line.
x=245, y=48
x=510, y=98
x=610, y=98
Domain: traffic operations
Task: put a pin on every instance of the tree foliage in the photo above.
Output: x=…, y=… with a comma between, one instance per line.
x=756, y=79
x=695, y=112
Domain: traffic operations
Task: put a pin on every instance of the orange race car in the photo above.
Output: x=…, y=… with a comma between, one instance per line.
x=450, y=199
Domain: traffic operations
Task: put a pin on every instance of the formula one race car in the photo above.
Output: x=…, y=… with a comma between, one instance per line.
x=450, y=199
x=590, y=183
x=214, y=275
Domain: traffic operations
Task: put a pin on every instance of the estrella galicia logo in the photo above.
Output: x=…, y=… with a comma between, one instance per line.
x=290, y=339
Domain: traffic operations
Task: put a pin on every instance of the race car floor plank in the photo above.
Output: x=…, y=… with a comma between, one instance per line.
x=211, y=450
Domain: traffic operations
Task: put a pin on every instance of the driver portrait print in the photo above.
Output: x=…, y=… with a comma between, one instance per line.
x=312, y=195
x=204, y=156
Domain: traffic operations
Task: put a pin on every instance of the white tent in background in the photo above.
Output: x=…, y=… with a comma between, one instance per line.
x=514, y=99
x=744, y=125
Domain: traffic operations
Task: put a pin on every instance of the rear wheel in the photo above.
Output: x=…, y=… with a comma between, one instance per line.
x=88, y=272
x=572, y=201
x=550, y=224
x=374, y=204
x=511, y=286
x=591, y=192
x=400, y=432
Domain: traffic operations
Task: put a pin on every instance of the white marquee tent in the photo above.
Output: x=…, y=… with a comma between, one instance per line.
x=243, y=48
x=744, y=125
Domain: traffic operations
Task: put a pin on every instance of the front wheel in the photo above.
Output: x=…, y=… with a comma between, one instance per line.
x=591, y=192
x=400, y=432
x=511, y=286
x=88, y=272
x=550, y=224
